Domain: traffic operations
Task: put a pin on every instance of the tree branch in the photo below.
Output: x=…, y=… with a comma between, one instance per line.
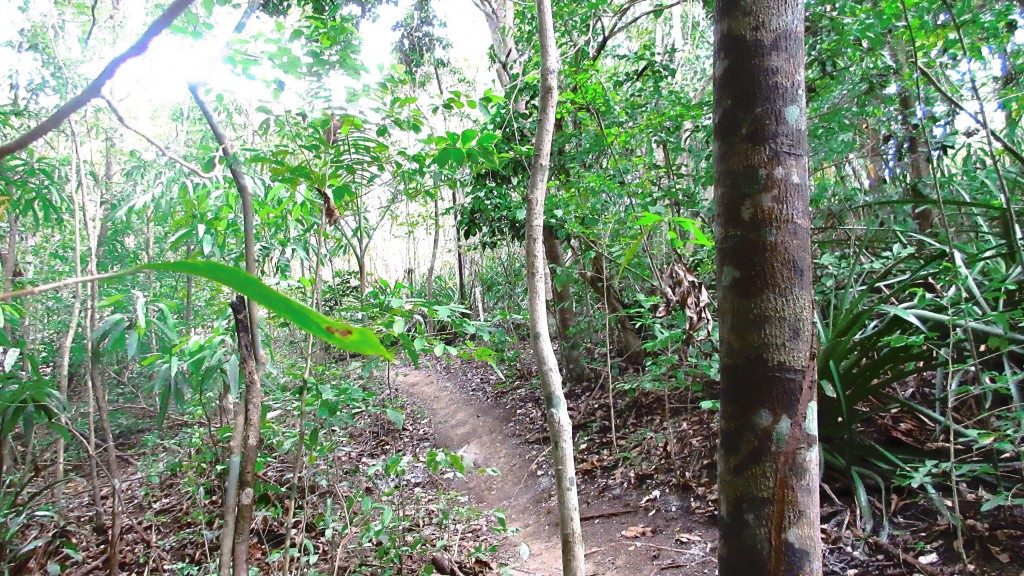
x=1010, y=149
x=248, y=214
x=170, y=155
x=616, y=29
x=56, y=285
x=93, y=89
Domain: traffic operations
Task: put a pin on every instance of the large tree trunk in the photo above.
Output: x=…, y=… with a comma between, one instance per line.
x=559, y=424
x=768, y=450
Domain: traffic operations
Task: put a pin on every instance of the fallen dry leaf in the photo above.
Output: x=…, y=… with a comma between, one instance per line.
x=637, y=531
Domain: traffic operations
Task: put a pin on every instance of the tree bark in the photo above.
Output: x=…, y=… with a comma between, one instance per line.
x=252, y=362
x=916, y=158
x=632, y=345
x=559, y=424
x=64, y=353
x=501, y=17
x=433, y=257
x=95, y=255
x=565, y=315
x=768, y=448
x=10, y=260
x=251, y=438
x=460, y=257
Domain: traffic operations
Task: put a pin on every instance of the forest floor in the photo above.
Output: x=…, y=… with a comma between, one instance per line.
x=646, y=486
x=648, y=497
x=625, y=533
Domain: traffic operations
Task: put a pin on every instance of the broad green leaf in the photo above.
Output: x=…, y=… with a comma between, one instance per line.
x=105, y=328
x=647, y=218
x=345, y=336
x=399, y=325
x=396, y=416
x=10, y=358
x=487, y=138
x=233, y=375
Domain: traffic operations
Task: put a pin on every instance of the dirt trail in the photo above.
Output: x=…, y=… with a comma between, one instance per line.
x=664, y=540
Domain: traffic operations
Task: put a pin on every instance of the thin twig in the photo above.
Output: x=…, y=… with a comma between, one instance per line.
x=34, y=290
x=167, y=153
x=1010, y=149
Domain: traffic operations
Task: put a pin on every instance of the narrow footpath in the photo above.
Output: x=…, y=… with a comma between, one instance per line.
x=625, y=535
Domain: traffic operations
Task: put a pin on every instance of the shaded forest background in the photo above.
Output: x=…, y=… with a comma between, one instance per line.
x=393, y=199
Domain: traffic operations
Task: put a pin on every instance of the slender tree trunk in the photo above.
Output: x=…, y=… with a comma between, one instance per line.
x=433, y=256
x=10, y=260
x=11, y=255
x=188, y=304
x=8, y=267
x=434, y=248
x=227, y=537
x=500, y=16
x=99, y=517
x=95, y=241
x=768, y=448
x=64, y=354
x=251, y=438
x=297, y=476
x=917, y=163
x=559, y=424
x=460, y=257
x=565, y=315
x=632, y=345
x=252, y=362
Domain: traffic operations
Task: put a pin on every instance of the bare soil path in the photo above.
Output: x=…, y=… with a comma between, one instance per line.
x=625, y=534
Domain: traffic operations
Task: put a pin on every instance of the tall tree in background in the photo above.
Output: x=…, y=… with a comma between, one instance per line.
x=559, y=424
x=768, y=451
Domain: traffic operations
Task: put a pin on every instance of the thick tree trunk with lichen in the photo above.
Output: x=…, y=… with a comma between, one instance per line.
x=768, y=451
x=559, y=424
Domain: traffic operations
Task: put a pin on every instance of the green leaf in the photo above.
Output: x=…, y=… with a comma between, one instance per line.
x=628, y=256
x=10, y=358
x=647, y=218
x=109, y=328
x=487, y=139
x=468, y=136
x=163, y=398
x=396, y=416
x=343, y=335
x=233, y=375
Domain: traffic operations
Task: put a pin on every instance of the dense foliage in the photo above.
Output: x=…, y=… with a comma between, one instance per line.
x=393, y=200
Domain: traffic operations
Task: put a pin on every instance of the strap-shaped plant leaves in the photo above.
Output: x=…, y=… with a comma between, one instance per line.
x=345, y=336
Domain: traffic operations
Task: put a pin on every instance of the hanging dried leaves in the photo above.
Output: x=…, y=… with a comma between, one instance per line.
x=331, y=213
x=679, y=287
